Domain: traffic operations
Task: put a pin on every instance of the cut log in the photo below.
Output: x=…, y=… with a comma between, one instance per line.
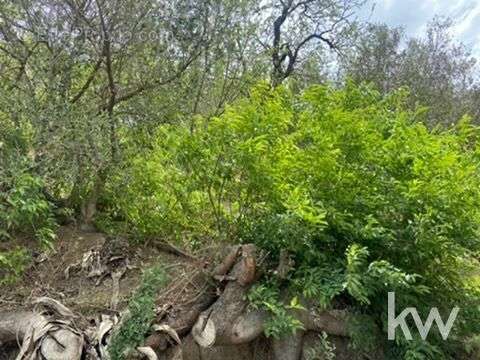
x=42, y=338
x=182, y=318
x=214, y=326
x=13, y=325
x=332, y=322
x=249, y=326
x=226, y=265
x=288, y=347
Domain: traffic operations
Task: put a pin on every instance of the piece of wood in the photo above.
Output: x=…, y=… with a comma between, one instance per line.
x=214, y=326
x=13, y=325
x=288, y=347
x=182, y=318
x=249, y=326
x=226, y=265
x=43, y=337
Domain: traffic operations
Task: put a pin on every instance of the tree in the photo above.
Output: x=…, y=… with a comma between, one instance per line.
x=439, y=71
x=375, y=58
x=78, y=70
x=294, y=27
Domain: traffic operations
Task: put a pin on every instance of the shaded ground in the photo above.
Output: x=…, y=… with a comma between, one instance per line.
x=46, y=274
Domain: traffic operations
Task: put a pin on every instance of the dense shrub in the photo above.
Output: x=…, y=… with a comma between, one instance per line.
x=24, y=208
x=365, y=198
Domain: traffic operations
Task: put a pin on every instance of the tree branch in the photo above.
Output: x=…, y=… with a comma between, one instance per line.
x=87, y=82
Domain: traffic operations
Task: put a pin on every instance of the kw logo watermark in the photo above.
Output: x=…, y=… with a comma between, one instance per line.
x=423, y=328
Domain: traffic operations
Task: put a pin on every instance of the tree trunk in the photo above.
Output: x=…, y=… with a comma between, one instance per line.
x=88, y=208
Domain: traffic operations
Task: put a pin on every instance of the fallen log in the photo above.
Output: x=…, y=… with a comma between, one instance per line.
x=214, y=318
x=214, y=325
x=288, y=347
x=250, y=325
x=14, y=325
x=47, y=333
x=227, y=322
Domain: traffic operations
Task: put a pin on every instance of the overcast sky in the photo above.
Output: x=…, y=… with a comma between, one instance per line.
x=413, y=15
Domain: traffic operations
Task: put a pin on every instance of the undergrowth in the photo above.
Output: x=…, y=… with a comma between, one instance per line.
x=12, y=265
x=141, y=312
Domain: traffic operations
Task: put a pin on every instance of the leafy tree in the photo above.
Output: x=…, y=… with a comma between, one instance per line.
x=439, y=71
x=84, y=74
x=376, y=57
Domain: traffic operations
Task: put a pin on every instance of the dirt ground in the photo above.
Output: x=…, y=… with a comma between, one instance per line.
x=46, y=275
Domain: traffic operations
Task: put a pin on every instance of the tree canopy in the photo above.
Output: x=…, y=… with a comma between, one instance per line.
x=347, y=147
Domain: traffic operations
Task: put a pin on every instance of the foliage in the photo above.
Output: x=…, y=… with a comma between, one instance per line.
x=473, y=345
x=363, y=280
x=323, y=350
x=440, y=72
x=81, y=100
x=348, y=180
x=281, y=321
x=141, y=312
x=12, y=265
x=24, y=208
x=364, y=197
x=290, y=30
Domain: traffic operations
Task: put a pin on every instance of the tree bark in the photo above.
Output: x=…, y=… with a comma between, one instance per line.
x=13, y=325
x=182, y=318
x=214, y=326
x=42, y=338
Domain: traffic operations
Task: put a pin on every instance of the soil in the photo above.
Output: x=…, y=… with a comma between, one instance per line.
x=46, y=274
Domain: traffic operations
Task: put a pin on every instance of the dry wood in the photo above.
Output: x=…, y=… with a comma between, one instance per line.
x=47, y=333
x=289, y=347
x=13, y=325
x=42, y=337
x=182, y=317
x=215, y=315
x=214, y=326
x=172, y=249
x=251, y=324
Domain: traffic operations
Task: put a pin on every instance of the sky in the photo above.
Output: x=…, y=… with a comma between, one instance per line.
x=414, y=15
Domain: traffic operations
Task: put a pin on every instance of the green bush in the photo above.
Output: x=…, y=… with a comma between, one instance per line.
x=141, y=313
x=23, y=211
x=24, y=208
x=23, y=205
x=363, y=196
x=12, y=265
